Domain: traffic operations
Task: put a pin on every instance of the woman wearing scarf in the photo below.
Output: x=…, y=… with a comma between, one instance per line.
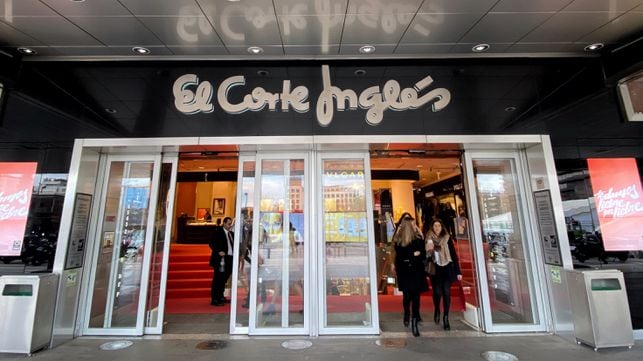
x=447, y=269
x=409, y=266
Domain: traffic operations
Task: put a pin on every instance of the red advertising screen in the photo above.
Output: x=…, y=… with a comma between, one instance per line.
x=16, y=184
x=617, y=194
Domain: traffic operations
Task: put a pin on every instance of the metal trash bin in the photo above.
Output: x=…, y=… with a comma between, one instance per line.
x=27, y=305
x=600, y=309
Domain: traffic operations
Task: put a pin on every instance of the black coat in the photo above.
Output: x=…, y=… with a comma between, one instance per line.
x=218, y=243
x=410, y=268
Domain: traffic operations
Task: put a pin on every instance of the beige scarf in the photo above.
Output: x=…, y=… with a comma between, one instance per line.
x=442, y=256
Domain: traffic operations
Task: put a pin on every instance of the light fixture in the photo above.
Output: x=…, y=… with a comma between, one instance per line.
x=255, y=50
x=77, y=1
x=27, y=51
x=594, y=47
x=481, y=47
x=360, y=72
x=111, y=110
x=367, y=49
x=263, y=72
x=419, y=166
x=141, y=50
x=510, y=109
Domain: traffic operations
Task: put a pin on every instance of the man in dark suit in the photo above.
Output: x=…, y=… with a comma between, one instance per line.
x=221, y=260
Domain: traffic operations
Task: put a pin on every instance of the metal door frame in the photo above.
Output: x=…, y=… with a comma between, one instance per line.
x=105, y=166
x=536, y=294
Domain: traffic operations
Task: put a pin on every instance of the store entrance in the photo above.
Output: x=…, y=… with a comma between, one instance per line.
x=428, y=183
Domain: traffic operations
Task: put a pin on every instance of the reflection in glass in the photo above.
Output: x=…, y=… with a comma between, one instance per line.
x=504, y=240
x=347, y=296
x=245, y=243
x=280, y=283
x=120, y=259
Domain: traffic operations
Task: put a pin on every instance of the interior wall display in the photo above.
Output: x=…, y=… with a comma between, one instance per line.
x=16, y=186
x=547, y=225
x=218, y=206
x=630, y=90
x=616, y=185
x=78, y=233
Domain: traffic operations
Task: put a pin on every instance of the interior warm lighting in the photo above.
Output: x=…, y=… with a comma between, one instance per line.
x=367, y=49
x=481, y=47
x=594, y=47
x=141, y=50
x=255, y=50
x=27, y=51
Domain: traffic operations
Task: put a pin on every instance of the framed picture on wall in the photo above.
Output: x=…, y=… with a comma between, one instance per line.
x=218, y=206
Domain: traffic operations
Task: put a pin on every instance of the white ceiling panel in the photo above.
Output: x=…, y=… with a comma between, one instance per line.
x=248, y=8
x=298, y=7
x=623, y=28
x=438, y=28
x=423, y=48
x=11, y=36
x=11, y=8
x=307, y=30
x=353, y=49
x=602, y=5
x=244, y=31
x=466, y=47
x=162, y=7
x=383, y=6
x=85, y=50
x=198, y=50
x=529, y=6
x=457, y=6
x=182, y=30
x=118, y=30
x=524, y=47
x=54, y=31
x=504, y=28
x=312, y=50
x=375, y=29
x=567, y=27
x=88, y=8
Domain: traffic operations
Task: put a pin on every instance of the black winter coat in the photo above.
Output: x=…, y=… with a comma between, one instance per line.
x=410, y=268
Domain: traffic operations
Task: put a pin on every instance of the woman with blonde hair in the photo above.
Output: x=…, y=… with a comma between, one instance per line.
x=411, y=279
x=445, y=268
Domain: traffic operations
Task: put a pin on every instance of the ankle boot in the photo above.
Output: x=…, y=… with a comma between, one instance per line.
x=447, y=326
x=406, y=319
x=436, y=317
x=414, y=327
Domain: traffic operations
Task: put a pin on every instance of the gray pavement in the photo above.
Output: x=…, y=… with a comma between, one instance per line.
x=336, y=348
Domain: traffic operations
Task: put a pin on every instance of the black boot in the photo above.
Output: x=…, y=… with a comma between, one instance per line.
x=436, y=316
x=414, y=327
x=406, y=319
x=447, y=326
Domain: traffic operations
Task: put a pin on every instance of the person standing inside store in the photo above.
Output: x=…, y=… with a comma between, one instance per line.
x=444, y=271
x=221, y=260
x=409, y=266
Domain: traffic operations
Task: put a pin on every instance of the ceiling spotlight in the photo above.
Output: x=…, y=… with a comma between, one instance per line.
x=481, y=47
x=510, y=109
x=367, y=49
x=141, y=50
x=255, y=50
x=110, y=110
x=594, y=47
x=360, y=72
x=27, y=51
x=77, y=1
x=263, y=72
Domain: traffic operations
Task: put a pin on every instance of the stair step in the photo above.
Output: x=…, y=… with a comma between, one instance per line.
x=190, y=274
x=188, y=283
x=179, y=258
x=188, y=293
x=187, y=266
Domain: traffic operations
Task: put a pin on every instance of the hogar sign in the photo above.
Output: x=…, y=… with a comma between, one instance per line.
x=192, y=96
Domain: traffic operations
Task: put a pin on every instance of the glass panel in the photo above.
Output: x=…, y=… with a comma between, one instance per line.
x=156, y=265
x=345, y=236
x=504, y=241
x=245, y=241
x=120, y=259
x=281, y=267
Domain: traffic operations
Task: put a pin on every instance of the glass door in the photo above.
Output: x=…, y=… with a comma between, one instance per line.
x=122, y=246
x=503, y=243
x=279, y=276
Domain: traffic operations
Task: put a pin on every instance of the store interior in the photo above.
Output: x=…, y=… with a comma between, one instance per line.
x=422, y=179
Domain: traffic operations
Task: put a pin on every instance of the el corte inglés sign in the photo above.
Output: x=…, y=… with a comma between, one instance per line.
x=192, y=96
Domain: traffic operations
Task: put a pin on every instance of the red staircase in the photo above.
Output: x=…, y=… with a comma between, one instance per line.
x=189, y=274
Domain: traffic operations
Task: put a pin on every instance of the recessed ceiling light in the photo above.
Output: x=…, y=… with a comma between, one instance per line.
x=360, y=72
x=419, y=166
x=77, y=1
x=367, y=49
x=110, y=110
x=510, y=109
x=263, y=72
x=141, y=50
x=27, y=51
x=201, y=167
x=594, y=47
x=481, y=47
x=255, y=50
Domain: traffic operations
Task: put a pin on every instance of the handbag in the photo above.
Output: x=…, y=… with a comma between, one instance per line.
x=429, y=266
